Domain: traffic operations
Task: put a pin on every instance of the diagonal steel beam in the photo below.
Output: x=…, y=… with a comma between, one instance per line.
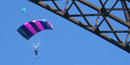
x=82, y=14
x=56, y=5
x=126, y=10
x=110, y=15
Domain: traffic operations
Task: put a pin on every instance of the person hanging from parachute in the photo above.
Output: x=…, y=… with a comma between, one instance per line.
x=29, y=29
x=36, y=51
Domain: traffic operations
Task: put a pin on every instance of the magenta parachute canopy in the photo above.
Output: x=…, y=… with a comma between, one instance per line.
x=29, y=29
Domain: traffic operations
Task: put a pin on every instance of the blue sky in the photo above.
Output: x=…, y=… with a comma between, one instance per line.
x=67, y=44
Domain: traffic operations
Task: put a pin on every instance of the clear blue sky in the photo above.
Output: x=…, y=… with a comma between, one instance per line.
x=67, y=44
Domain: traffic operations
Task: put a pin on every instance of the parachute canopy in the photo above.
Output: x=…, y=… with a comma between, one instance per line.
x=29, y=29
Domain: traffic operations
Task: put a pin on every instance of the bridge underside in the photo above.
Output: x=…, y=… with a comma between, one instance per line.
x=102, y=14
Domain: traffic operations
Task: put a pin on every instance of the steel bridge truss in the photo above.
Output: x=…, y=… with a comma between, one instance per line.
x=103, y=13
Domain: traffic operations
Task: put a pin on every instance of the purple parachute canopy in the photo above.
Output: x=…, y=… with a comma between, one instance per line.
x=29, y=29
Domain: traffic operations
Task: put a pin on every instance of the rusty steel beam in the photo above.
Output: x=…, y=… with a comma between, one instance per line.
x=117, y=9
x=126, y=11
x=82, y=14
x=126, y=41
x=88, y=26
x=121, y=31
x=66, y=5
x=110, y=15
x=56, y=5
x=128, y=0
x=79, y=15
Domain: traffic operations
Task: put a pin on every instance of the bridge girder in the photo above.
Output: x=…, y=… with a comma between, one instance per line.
x=101, y=12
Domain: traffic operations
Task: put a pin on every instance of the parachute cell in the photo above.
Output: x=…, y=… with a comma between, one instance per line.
x=29, y=29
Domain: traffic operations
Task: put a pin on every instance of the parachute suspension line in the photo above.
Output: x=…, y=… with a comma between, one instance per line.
x=28, y=16
x=23, y=10
x=32, y=43
x=37, y=41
